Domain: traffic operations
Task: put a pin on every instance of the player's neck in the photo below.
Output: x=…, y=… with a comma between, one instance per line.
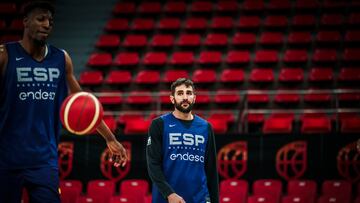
x=183, y=116
x=35, y=50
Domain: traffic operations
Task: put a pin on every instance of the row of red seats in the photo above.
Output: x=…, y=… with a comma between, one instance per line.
x=221, y=40
x=256, y=75
x=231, y=191
x=231, y=6
x=248, y=22
x=275, y=123
x=297, y=191
x=232, y=57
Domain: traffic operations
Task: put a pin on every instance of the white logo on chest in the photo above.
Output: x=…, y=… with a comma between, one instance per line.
x=186, y=139
x=38, y=74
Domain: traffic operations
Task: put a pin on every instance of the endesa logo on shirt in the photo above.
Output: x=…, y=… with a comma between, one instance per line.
x=35, y=83
x=188, y=147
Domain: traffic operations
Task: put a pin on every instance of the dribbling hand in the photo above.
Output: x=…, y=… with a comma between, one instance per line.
x=117, y=153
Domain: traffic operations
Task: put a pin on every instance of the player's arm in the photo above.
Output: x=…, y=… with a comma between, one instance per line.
x=154, y=158
x=211, y=167
x=3, y=60
x=119, y=155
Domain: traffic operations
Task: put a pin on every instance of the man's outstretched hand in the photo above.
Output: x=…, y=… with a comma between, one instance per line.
x=117, y=153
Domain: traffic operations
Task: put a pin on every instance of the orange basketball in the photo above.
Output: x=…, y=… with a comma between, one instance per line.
x=81, y=113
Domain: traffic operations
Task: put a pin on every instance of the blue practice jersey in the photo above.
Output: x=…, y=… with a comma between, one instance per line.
x=184, y=149
x=31, y=94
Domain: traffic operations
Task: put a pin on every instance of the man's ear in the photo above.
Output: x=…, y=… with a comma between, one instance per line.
x=194, y=98
x=25, y=21
x=172, y=99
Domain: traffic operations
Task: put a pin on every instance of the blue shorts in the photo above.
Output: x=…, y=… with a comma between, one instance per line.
x=42, y=185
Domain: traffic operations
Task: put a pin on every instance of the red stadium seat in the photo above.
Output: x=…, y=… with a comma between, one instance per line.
x=244, y=39
x=317, y=97
x=296, y=199
x=276, y=123
x=299, y=38
x=110, y=97
x=119, y=77
x=305, y=188
x=263, y=198
x=195, y=23
x=169, y=24
x=315, y=124
x=143, y=24
x=201, y=7
x=276, y=21
x=175, y=7
x=341, y=188
x=279, y=6
x=333, y=198
x=149, y=8
x=182, y=58
x=260, y=75
x=134, y=187
x=324, y=56
x=189, y=40
x=328, y=37
x=16, y=25
x=99, y=60
x=333, y=20
x=147, y=77
x=238, y=57
x=91, y=78
x=219, y=22
x=301, y=21
x=125, y=117
x=101, y=189
x=155, y=59
x=253, y=6
x=271, y=187
x=257, y=98
x=239, y=188
x=287, y=98
x=228, y=117
x=204, y=76
x=352, y=36
x=70, y=190
x=302, y=5
x=139, y=97
x=291, y=75
x=216, y=40
x=8, y=8
x=172, y=75
x=107, y=41
x=135, y=41
x=266, y=56
x=126, y=59
x=227, y=6
x=162, y=41
x=253, y=118
x=295, y=56
x=271, y=38
x=137, y=126
x=350, y=125
x=231, y=198
x=87, y=199
x=219, y=126
x=351, y=55
x=349, y=74
x=232, y=76
x=123, y=198
x=354, y=19
x=210, y=58
x=202, y=97
x=321, y=75
x=110, y=122
x=117, y=25
x=249, y=22
x=227, y=96
x=124, y=8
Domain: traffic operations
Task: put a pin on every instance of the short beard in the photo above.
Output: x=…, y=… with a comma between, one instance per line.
x=181, y=109
x=40, y=42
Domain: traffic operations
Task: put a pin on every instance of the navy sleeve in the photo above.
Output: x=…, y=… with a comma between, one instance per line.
x=211, y=168
x=154, y=158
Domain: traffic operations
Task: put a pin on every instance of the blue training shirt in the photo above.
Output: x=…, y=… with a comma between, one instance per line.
x=31, y=93
x=183, y=164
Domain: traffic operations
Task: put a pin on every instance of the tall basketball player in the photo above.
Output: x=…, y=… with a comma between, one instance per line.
x=181, y=153
x=35, y=78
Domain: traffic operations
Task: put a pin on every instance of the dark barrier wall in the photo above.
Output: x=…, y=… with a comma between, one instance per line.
x=249, y=157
